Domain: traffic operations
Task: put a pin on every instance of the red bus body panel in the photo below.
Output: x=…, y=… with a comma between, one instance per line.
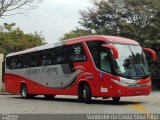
x=96, y=82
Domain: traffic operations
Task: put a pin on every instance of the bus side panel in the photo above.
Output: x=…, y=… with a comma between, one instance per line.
x=35, y=88
x=93, y=78
x=89, y=74
x=12, y=83
x=8, y=84
x=101, y=84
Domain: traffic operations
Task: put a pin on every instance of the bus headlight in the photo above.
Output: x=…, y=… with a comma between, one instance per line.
x=125, y=82
x=120, y=83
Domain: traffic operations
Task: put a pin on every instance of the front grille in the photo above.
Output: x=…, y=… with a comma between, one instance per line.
x=138, y=86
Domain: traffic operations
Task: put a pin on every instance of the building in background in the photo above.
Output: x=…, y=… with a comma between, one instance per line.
x=1, y=71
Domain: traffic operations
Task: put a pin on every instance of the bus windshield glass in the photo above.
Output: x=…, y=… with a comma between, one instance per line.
x=131, y=62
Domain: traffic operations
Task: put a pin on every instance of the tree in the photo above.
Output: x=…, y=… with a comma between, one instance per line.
x=134, y=19
x=13, y=7
x=14, y=39
x=75, y=33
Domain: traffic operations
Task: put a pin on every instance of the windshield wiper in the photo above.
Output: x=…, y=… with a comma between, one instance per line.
x=136, y=67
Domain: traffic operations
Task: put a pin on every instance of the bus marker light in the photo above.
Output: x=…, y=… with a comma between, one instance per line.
x=120, y=91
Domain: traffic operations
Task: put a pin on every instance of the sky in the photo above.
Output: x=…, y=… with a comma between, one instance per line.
x=53, y=18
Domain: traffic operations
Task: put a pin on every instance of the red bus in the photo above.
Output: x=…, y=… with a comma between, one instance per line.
x=89, y=66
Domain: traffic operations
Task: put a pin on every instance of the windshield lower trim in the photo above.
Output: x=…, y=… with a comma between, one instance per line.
x=133, y=77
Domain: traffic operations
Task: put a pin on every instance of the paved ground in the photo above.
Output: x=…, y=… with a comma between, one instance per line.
x=69, y=105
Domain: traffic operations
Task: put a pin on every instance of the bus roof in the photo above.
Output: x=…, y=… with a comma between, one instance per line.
x=109, y=39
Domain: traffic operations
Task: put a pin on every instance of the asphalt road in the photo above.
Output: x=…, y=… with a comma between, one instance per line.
x=69, y=105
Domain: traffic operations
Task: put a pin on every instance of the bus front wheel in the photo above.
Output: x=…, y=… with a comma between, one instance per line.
x=24, y=92
x=87, y=94
x=80, y=94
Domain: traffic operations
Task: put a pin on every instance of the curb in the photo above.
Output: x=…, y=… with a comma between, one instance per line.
x=4, y=93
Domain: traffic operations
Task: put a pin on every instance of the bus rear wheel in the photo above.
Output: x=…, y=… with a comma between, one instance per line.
x=24, y=92
x=116, y=99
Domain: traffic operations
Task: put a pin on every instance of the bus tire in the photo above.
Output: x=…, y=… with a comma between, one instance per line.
x=87, y=94
x=49, y=96
x=80, y=94
x=116, y=99
x=24, y=92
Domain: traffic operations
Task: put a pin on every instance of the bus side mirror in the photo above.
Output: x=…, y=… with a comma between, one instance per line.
x=114, y=50
x=152, y=52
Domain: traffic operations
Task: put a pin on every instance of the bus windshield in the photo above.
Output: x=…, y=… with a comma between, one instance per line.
x=131, y=62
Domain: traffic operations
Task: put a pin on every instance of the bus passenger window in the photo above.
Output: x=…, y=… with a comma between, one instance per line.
x=60, y=55
x=76, y=53
x=19, y=63
x=13, y=64
x=27, y=61
x=9, y=63
x=46, y=60
x=53, y=57
x=33, y=61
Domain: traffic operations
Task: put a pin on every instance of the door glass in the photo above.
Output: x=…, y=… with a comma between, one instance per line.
x=100, y=55
x=104, y=62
